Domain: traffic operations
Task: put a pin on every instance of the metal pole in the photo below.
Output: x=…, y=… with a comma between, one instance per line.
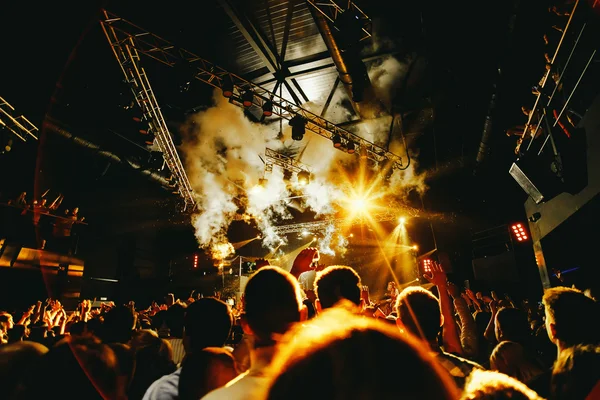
x=575, y=88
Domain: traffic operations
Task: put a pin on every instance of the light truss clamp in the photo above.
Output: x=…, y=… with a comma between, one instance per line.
x=19, y=125
x=126, y=53
x=143, y=42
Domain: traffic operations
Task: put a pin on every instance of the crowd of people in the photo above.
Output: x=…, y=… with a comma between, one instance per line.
x=324, y=338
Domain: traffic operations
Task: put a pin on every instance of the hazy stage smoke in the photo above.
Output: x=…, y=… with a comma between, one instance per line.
x=222, y=154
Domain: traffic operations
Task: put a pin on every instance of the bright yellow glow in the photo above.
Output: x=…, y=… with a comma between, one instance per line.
x=257, y=189
x=351, y=235
x=402, y=220
x=222, y=250
x=415, y=247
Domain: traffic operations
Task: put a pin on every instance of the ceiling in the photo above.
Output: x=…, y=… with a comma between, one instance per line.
x=61, y=66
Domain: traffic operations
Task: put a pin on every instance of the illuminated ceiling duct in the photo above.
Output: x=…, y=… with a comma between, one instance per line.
x=349, y=65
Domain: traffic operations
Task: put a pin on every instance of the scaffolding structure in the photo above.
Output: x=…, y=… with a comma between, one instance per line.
x=126, y=52
x=128, y=38
x=19, y=125
x=539, y=116
x=285, y=162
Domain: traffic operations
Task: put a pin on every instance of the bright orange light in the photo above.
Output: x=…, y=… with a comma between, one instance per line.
x=415, y=247
x=402, y=220
x=359, y=204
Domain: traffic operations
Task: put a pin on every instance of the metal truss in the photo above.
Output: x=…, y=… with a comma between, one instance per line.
x=331, y=10
x=286, y=162
x=139, y=41
x=126, y=52
x=19, y=126
x=538, y=114
x=391, y=213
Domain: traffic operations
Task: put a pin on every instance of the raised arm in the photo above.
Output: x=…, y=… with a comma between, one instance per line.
x=450, y=335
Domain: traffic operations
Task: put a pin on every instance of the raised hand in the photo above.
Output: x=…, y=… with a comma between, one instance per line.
x=437, y=276
x=306, y=260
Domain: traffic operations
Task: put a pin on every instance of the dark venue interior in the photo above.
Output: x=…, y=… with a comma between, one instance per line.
x=427, y=131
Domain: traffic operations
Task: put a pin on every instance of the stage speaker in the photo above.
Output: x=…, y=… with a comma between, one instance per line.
x=546, y=175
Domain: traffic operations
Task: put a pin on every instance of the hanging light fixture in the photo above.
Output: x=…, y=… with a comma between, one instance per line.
x=227, y=86
x=337, y=141
x=303, y=178
x=267, y=108
x=351, y=147
x=298, y=127
x=247, y=98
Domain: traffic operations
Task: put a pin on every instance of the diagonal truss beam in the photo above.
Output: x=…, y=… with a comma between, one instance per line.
x=141, y=41
x=19, y=126
x=285, y=162
x=386, y=214
x=126, y=52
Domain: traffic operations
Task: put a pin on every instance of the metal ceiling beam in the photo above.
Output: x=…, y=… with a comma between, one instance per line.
x=286, y=28
x=266, y=56
x=153, y=46
x=256, y=39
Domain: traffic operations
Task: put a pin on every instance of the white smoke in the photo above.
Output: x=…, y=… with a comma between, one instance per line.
x=223, y=150
x=386, y=76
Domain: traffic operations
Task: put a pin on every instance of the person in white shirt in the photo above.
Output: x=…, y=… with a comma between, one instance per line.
x=272, y=306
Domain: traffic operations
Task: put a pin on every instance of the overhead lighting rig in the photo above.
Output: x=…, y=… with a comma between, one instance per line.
x=384, y=215
x=126, y=52
x=131, y=39
x=287, y=163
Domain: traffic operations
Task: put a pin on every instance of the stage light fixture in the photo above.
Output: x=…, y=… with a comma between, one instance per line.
x=195, y=260
x=337, y=141
x=247, y=98
x=402, y=220
x=519, y=232
x=303, y=178
x=298, y=127
x=415, y=247
x=227, y=86
x=350, y=147
x=267, y=108
x=150, y=139
x=427, y=263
